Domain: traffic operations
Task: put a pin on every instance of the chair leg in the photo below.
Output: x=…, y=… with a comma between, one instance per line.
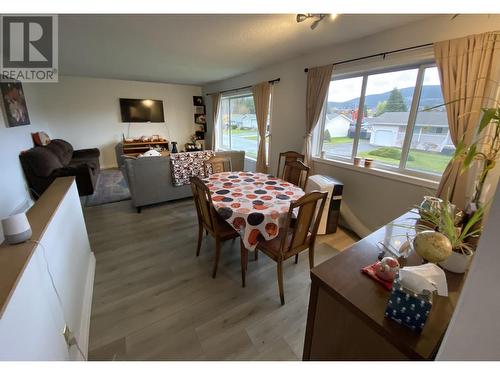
x=217, y=255
x=244, y=263
x=200, y=238
x=311, y=257
x=280, y=282
x=296, y=258
x=256, y=255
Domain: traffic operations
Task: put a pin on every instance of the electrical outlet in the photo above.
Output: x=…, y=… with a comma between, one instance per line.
x=67, y=335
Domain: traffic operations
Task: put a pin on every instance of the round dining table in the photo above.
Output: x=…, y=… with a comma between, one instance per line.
x=254, y=204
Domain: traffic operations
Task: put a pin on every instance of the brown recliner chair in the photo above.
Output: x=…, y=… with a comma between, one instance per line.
x=43, y=164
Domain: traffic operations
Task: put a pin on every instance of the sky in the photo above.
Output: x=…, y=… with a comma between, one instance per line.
x=350, y=88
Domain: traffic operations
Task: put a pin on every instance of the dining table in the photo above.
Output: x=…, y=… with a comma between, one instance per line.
x=254, y=204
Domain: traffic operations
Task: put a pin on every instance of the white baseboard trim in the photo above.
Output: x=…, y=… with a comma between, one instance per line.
x=83, y=337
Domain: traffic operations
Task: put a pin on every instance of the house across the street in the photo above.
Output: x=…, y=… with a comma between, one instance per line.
x=337, y=125
x=244, y=121
x=431, y=130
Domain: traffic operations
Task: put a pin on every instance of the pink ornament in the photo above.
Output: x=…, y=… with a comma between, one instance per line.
x=387, y=269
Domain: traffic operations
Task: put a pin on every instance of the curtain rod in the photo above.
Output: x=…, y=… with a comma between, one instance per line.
x=272, y=82
x=382, y=54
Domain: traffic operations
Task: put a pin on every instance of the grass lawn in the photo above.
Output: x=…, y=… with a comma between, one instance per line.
x=338, y=140
x=251, y=135
x=424, y=161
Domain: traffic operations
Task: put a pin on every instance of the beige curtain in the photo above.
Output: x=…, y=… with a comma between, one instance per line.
x=465, y=67
x=318, y=80
x=215, y=116
x=261, y=96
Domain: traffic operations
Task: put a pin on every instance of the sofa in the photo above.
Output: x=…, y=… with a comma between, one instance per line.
x=150, y=178
x=43, y=164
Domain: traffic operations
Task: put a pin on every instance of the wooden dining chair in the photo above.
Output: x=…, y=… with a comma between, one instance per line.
x=289, y=156
x=209, y=220
x=296, y=172
x=291, y=240
x=218, y=164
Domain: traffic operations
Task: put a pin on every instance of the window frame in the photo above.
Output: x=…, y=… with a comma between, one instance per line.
x=412, y=117
x=219, y=138
x=219, y=141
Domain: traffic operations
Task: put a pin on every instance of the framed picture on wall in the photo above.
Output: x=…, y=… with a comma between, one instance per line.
x=200, y=119
x=198, y=100
x=14, y=104
x=199, y=109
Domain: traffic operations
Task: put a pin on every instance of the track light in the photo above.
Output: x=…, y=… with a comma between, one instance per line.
x=301, y=17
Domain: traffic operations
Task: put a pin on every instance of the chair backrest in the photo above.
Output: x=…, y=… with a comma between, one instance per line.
x=218, y=164
x=289, y=156
x=307, y=222
x=296, y=173
x=203, y=202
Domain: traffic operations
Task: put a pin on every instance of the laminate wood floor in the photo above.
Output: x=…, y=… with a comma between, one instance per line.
x=155, y=300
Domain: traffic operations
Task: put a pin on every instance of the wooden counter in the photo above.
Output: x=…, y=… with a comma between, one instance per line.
x=14, y=258
x=346, y=308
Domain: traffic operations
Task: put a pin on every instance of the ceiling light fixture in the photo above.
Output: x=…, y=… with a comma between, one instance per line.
x=301, y=17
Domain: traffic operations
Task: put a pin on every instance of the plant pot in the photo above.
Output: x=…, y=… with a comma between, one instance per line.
x=457, y=262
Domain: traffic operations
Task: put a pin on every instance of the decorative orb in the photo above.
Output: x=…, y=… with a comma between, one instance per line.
x=432, y=246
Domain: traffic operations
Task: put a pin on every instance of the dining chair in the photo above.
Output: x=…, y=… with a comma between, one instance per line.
x=291, y=240
x=296, y=172
x=289, y=156
x=209, y=220
x=218, y=164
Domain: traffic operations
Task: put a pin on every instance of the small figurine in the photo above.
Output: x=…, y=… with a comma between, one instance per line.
x=387, y=269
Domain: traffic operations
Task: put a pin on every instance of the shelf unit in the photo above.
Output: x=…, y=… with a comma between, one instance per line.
x=136, y=148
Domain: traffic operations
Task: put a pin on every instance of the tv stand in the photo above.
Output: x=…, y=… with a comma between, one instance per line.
x=137, y=147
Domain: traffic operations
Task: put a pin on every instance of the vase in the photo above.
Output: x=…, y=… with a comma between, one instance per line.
x=457, y=262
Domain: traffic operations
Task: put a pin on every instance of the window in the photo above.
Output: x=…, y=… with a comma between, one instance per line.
x=393, y=117
x=237, y=125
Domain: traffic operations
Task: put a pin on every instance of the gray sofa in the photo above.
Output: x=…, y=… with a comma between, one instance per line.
x=150, y=179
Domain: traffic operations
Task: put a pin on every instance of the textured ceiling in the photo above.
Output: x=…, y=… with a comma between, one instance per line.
x=196, y=49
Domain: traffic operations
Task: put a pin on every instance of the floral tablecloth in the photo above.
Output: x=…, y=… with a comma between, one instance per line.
x=255, y=204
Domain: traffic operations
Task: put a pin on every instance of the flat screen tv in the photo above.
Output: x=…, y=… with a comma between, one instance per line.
x=141, y=110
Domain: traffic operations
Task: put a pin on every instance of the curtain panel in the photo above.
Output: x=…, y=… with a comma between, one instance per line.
x=467, y=67
x=261, y=97
x=318, y=81
x=215, y=115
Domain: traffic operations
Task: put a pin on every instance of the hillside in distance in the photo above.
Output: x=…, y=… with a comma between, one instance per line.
x=431, y=96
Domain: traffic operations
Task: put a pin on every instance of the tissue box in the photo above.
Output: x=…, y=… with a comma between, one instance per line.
x=407, y=307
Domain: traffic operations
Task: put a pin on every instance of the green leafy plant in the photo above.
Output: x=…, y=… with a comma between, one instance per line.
x=327, y=137
x=485, y=150
x=443, y=220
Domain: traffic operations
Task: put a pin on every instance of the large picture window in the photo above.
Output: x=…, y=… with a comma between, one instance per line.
x=393, y=117
x=237, y=125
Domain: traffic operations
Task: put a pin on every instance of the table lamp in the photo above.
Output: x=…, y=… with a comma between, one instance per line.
x=16, y=229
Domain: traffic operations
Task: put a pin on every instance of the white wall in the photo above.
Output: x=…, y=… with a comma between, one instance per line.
x=288, y=106
x=474, y=331
x=86, y=111
x=32, y=324
x=13, y=189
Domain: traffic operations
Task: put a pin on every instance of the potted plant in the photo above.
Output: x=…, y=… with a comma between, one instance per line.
x=485, y=150
x=462, y=233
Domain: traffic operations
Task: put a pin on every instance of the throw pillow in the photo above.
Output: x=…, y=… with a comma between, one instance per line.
x=40, y=138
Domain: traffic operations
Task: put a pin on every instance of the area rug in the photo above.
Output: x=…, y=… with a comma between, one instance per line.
x=111, y=187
